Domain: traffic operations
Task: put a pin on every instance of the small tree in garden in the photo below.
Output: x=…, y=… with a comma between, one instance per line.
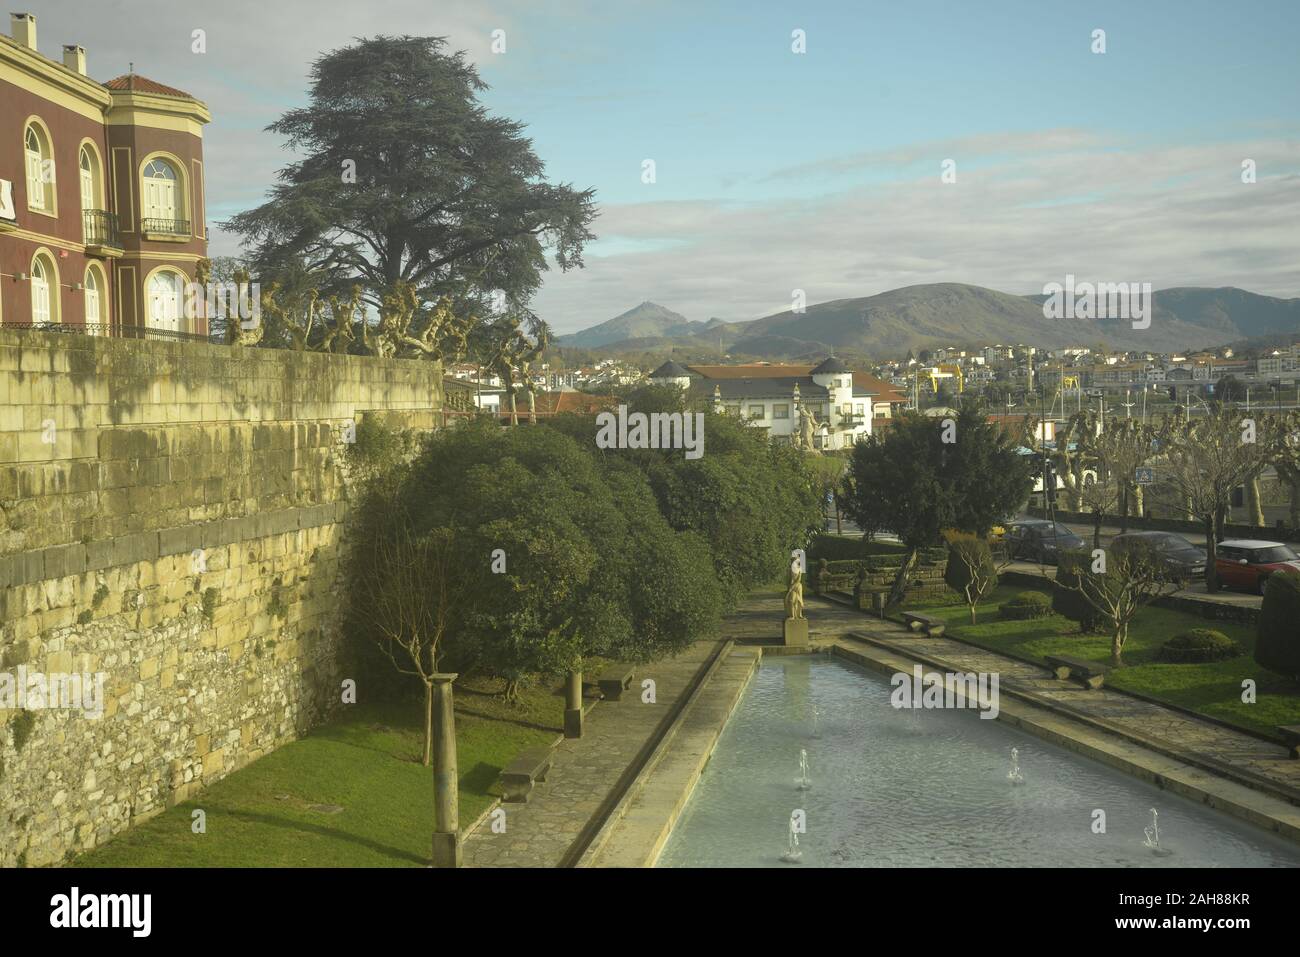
x=1067, y=595
x=1117, y=585
x=925, y=474
x=1204, y=460
x=971, y=571
x=414, y=592
x=1276, y=644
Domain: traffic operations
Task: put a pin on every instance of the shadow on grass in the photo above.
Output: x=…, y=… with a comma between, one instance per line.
x=517, y=722
x=480, y=778
x=328, y=832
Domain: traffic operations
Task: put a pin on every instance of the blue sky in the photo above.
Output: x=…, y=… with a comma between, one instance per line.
x=818, y=171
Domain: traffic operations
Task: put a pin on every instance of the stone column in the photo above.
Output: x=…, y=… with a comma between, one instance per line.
x=446, y=802
x=573, y=705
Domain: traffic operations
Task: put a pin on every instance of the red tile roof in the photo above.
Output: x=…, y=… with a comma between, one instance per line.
x=135, y=83
x=883, y=391
x=552, y=403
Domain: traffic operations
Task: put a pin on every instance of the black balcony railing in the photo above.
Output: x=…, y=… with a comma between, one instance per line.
x=104, y=329
x=100, y=228
x=171, y=227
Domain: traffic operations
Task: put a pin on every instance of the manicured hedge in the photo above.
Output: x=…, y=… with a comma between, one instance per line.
x=1197, y=646
x=1026, y=605
x=1277, y=631
x=836, y=548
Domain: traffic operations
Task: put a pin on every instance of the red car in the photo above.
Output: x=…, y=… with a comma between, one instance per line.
x=1245, y=563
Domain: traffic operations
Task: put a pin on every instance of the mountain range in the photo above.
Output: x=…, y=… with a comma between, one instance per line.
x=945, y=314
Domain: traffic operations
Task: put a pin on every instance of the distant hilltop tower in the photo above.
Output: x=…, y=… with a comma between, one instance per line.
x=670, y=373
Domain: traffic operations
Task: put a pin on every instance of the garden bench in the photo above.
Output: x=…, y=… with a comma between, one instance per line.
x=615, y=679
x=519, y=775
x=916, y=622
x=1088, y=673
x=1291, y=735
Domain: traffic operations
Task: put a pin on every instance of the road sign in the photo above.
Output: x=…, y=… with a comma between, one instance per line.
x=1144, y=476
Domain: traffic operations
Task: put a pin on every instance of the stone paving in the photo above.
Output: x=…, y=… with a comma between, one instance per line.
x=585, y=771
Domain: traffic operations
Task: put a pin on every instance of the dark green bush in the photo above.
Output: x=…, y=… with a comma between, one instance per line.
x=1069, y=602
x=1198, y=645
x=1277, y=631
x=1025, y=606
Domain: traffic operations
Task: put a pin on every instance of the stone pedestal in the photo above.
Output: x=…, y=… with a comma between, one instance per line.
x=446, y=779
x=573, y=705
x=446, y=850
x=796, y=632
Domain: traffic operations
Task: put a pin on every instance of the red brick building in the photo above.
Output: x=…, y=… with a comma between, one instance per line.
x=102, y=217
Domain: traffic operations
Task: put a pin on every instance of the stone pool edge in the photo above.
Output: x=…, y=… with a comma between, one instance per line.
x=634, y=832
x=1164, y=771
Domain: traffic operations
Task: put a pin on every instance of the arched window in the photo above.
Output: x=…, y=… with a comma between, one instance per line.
x=162, y=197
x=89, y=163
x=166, y=299
x=45, y=290
x=96, y=291
x=40, y=168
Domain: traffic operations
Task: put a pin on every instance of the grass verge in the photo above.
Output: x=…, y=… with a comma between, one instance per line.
x=1213, y=689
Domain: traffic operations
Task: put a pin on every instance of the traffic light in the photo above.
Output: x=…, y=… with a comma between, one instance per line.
x=1173, y=393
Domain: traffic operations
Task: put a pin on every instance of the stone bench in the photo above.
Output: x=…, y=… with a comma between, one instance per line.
x=916, y=622
x=1291, y=736
x=1088, y=673
x=519, y=776
x=615, y=679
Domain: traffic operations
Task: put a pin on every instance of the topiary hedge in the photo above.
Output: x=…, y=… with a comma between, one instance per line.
x=1277, y=630
x=1066, y=599
x=1197, y=646
x=1025, y=606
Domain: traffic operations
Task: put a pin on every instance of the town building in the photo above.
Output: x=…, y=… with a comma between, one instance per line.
x=102, y=217
x=771, y=396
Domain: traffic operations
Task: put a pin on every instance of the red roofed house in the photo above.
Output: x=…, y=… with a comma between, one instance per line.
x=101, y=195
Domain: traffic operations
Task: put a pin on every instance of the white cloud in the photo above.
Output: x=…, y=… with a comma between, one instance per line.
x=1169, y=215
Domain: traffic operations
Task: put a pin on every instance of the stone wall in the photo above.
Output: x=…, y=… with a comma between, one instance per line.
x=172, y=517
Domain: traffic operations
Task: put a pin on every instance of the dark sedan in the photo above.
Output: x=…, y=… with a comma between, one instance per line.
x=1182, y=560
x=1038, y=540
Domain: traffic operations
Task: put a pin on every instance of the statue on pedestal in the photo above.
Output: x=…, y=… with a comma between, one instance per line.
x=795, y=631
x=807, y=428
x=794, y=593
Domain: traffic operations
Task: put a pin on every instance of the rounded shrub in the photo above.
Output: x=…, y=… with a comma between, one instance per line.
x=1197, y=646
x=1277, y=630
x=1026, y=605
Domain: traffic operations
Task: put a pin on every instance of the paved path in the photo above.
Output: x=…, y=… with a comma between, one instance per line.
x=585, y=771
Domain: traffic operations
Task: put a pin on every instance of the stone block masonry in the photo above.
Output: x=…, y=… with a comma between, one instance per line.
x=173, y=516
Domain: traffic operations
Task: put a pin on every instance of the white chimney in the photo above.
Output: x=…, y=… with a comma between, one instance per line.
x=74, y=58
x=23, y=27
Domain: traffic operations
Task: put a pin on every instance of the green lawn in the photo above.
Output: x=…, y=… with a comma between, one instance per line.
x=1212, y=689
x=368, y=762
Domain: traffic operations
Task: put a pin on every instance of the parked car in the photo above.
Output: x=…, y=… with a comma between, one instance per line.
x=1182, y=560
x=1038, y=540
x=1246, y=563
